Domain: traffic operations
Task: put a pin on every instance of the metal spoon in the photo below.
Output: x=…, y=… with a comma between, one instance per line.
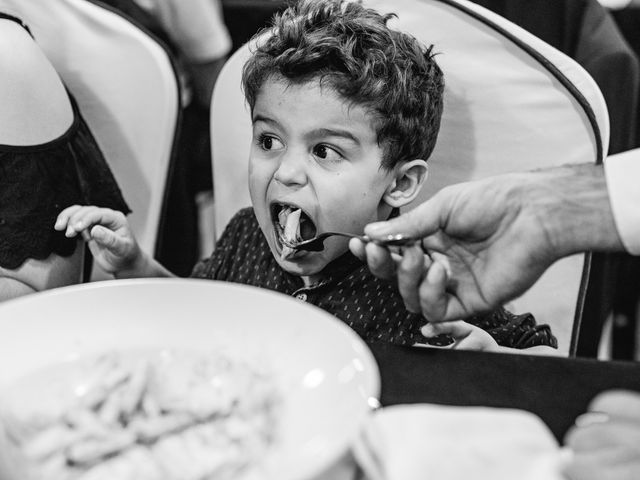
x=316, y=244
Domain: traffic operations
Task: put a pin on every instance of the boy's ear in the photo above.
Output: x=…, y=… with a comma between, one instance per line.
x=407, y=183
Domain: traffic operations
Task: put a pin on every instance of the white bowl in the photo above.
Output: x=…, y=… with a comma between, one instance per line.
x=327, y=373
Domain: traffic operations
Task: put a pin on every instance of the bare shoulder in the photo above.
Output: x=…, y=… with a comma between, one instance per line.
x=35, y=106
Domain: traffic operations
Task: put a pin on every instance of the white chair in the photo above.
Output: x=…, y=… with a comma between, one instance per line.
x=127, y=90
x=512, y=102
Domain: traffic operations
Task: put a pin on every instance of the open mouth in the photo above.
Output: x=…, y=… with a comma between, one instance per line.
x=292, y=226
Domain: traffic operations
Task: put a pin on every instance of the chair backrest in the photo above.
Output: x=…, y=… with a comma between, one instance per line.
x=127, y=91
x=512, y=102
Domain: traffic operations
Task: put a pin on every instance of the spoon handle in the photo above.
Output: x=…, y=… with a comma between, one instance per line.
x=395, y=240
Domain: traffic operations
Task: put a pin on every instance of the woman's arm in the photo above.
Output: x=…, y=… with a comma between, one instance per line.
x=35, y=109
x=38, y=275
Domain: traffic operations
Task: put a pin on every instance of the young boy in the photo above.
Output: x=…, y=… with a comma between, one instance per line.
x=345, y=112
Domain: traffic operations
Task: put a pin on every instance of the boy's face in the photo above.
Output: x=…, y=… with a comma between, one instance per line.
x=313, y=151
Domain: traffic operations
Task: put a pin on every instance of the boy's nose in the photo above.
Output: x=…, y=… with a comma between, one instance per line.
x=291, y=169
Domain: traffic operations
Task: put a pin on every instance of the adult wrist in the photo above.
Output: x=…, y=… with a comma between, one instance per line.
x=576, y=211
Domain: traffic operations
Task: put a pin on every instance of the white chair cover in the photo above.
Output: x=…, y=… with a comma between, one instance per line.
x=127, y=91
x=512, y=102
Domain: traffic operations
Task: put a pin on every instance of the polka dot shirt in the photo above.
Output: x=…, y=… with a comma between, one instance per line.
x=370, y=306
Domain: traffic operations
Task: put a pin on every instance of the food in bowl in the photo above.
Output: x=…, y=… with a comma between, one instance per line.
x=145, y=415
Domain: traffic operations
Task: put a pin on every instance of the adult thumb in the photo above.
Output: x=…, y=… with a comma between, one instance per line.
x=420, y=222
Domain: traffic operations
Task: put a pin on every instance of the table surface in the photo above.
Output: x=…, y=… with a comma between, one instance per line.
x=554, y=388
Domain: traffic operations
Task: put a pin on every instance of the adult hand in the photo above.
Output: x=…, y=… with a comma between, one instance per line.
x=495, y=236
x=606, y=440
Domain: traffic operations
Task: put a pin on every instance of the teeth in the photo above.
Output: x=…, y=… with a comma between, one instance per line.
x=282, y=216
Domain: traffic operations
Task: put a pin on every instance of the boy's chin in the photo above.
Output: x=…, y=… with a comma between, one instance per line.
x=302, y=267
x=305, y=264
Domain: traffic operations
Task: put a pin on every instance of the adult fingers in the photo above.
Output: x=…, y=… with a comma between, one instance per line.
x=623, y=404
x=613, y=417
x=357, y=248
x=437, y=242
x=596, y=436
x=410, y=272
x=436, y=303
x=380, y=261
x=609, y=464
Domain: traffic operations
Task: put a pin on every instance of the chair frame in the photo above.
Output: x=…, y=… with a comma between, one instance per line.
x=177, y=130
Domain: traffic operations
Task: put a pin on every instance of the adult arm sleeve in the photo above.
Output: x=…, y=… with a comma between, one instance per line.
x=622, y=172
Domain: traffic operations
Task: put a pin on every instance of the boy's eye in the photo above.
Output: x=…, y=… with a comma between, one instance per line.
x=326, y=153
x=267, y=142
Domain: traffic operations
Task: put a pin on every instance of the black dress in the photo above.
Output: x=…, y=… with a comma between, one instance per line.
x=38, y=181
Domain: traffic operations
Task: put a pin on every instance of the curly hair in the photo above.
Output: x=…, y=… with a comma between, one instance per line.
x=352, y=50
